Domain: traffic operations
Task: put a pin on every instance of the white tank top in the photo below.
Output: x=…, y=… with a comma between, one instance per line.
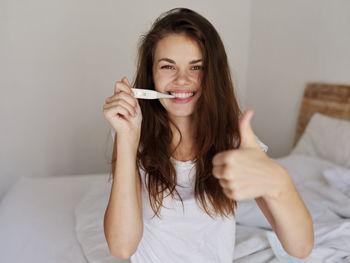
x=183, y=234
x=188, y=235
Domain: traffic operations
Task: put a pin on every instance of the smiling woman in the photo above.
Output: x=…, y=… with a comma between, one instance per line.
x=179, y=164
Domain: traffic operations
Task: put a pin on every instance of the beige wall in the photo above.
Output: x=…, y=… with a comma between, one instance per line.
x=59, y=61
x=292, y=43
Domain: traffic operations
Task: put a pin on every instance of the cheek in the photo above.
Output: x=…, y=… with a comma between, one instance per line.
x=161, y=80
x=155, y=80
x=197, y=82
x=196, y=78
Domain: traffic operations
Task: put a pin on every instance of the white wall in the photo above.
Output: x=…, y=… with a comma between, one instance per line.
x=292, y=43
x=59, y=61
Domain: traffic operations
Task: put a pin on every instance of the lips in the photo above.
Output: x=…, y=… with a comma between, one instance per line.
x=182, y=94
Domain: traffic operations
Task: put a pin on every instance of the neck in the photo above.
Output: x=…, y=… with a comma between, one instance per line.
x=185, y=149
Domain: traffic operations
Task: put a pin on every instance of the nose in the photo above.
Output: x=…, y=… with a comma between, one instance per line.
x=182, y=78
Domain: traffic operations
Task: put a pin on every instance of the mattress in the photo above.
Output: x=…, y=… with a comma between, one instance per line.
x=37, y=222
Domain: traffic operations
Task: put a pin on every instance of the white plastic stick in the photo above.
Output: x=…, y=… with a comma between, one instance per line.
x=150, y=94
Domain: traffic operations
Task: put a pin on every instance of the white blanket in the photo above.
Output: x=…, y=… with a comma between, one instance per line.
x=323, y=191
x=332, y=241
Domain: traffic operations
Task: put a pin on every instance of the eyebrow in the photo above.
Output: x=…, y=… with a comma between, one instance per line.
x=173, y=62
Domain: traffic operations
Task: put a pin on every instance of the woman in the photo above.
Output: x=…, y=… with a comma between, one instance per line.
x=179, y=165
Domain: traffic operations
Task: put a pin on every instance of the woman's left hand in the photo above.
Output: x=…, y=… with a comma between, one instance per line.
x=248, y=172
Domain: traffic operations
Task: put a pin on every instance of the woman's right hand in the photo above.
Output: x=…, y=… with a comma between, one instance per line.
x=123, y=112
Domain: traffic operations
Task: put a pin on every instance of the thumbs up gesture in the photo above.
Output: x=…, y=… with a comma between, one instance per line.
x=248, y=172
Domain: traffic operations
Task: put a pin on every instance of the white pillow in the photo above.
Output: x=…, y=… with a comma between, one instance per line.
x=89, y=214
x=327, y=138
x=338, y=177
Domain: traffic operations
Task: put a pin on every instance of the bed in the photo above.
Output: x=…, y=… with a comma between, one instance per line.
x=60, y=219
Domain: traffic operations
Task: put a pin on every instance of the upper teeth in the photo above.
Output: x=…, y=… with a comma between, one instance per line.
x=182, y=95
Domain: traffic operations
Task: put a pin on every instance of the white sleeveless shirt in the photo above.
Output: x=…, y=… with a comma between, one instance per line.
x=183, y=233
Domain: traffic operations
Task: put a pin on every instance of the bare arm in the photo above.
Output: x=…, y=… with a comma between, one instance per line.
x=289, y=218
x=123, y=223
x=247, y=172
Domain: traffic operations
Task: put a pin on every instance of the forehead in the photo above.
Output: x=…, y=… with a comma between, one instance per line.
x=177, y=46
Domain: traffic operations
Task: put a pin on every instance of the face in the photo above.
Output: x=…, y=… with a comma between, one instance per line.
x=177, y=70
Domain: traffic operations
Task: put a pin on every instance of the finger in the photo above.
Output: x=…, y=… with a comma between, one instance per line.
x=125, y=81
x=125, y=104
x=122, y=86
x=123, y=96
x=225, y=183
x=116, y=110
x=222, y=158
x=223, y=172
x=218, y=171
x=246, y=131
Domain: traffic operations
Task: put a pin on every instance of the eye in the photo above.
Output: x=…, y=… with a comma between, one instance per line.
x=167, y=67
x=197, y=67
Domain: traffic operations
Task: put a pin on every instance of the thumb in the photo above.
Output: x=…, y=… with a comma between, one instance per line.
x=245, y=130
x=125, y=81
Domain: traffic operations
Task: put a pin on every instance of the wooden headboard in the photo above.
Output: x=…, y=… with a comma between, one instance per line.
x=329, y=99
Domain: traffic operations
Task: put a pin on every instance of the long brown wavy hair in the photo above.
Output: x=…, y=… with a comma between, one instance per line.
x=216, y=115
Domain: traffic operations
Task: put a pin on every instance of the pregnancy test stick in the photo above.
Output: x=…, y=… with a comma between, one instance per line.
x=150, y=94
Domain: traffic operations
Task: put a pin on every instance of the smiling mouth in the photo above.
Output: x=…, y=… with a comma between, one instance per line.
x=182, y=95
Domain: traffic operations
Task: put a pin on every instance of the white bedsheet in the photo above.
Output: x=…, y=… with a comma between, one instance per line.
x=37, y=223
x=332, y=241
x=329, y=208
x=89, y=214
